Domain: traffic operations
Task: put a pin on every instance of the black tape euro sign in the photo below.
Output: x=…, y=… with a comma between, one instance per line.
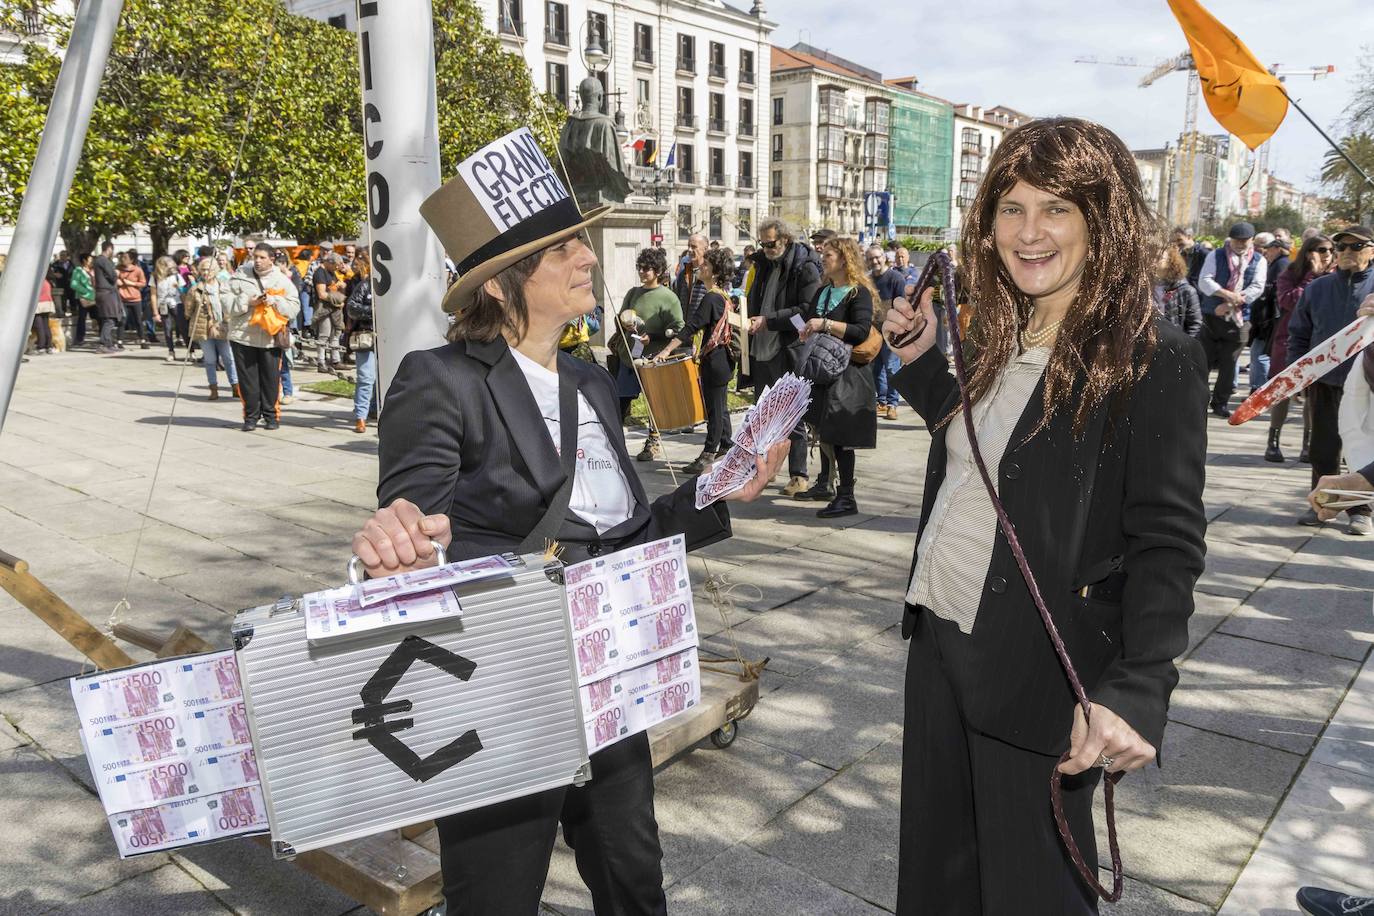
x=381, y=734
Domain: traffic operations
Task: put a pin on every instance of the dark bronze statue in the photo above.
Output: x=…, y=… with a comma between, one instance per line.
x=591, y=151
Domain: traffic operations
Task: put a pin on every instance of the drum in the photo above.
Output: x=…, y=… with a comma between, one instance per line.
x=673, y=391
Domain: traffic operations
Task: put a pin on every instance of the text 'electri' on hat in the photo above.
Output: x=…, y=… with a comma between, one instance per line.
x=1359, y=232
x=1242, y=231
x=505, y=203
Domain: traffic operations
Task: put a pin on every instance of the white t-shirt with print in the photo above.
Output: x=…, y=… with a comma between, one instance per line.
x=600, y=493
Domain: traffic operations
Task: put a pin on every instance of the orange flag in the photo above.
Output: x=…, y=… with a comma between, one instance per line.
x=1241, y=94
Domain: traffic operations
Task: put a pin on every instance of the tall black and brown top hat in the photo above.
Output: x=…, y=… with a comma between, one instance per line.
x=505, y=203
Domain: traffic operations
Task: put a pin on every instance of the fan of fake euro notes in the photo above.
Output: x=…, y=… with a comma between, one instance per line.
x=768, y=422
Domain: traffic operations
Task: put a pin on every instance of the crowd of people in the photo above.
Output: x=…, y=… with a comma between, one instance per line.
x=1277, y=298
x=208, y=308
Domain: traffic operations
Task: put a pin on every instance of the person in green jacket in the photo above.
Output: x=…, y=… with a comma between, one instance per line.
x=650, y=316
x=83, y=287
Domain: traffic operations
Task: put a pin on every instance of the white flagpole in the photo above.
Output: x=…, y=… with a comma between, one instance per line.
x=45, y=198
x=401, y=139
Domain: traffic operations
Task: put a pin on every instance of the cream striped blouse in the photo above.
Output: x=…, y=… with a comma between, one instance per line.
x=956, y=546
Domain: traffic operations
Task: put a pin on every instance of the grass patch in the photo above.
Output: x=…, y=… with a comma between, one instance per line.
x=336, y=387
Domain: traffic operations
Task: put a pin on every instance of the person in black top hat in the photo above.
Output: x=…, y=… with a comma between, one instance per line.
x=472, y=448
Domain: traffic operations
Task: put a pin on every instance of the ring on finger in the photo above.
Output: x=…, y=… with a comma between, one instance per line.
x=1105, y=761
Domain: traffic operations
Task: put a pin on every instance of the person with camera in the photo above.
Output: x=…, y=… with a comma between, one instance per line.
x=496, y=442
x=257, y=288
x=330, y=285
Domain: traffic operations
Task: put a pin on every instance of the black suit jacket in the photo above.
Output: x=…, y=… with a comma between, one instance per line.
x=461, y=434
x=1123, y=499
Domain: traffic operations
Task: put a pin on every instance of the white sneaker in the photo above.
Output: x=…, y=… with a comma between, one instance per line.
x=1360, y=526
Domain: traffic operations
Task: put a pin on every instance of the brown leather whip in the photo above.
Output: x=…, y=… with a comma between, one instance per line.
x=939, y=261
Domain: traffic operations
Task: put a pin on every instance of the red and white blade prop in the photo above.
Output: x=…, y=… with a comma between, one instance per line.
x=1330, y=353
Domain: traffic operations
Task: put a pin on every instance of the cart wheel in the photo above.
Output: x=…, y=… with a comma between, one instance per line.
x=725, y=736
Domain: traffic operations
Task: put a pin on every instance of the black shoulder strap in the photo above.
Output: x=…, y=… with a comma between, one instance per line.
x=547, y=528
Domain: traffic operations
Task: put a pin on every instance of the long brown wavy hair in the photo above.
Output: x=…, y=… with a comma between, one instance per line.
x=852, y=257
x=1108, y=336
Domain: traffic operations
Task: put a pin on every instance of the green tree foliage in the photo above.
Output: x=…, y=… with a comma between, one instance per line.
x=1352, y=196
x=1281, y=216
x=205, y=102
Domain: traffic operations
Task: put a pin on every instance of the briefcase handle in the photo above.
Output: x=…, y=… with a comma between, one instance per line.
x=355, y=565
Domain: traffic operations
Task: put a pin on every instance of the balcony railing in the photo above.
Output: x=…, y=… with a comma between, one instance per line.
x=511, y=26
x=716, y=180
x=746, y=128
x=686, y=64
x=686, y=176
x=644, y=54
x=746, y=77
x=746, y=182
x=555, y=36
x=717, y=71
x=716, y=125
x=686, y=120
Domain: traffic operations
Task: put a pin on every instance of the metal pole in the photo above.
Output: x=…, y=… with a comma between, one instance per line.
x=1332, y=143
x=45, y=199
x=401, y=137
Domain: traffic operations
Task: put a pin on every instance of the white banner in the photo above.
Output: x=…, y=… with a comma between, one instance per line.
x=401, y=139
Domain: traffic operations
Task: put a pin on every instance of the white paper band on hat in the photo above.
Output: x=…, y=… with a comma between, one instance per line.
x=512, y=179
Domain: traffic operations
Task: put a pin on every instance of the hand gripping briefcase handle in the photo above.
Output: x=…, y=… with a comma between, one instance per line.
x=355, y=565
x=939, y=260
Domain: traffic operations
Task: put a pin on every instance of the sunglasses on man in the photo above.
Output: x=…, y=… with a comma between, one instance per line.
x=1352, y=246
x=776, y=243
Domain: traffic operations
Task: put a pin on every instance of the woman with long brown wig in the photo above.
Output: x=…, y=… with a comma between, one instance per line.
x=1088, y=410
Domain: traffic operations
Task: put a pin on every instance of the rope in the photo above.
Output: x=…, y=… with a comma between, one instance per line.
x=123, y=605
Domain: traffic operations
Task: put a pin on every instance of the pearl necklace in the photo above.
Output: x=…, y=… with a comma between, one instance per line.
x=1039, y=338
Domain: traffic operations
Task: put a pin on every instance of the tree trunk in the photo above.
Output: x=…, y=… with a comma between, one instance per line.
x=80, y=239
x=161, y=235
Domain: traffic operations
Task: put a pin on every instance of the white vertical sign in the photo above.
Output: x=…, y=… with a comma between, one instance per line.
x=401, y=137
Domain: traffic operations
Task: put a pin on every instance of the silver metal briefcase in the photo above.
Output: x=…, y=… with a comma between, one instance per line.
x=403, y=724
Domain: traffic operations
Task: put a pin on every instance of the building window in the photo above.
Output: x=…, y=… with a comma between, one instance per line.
x=597, y=28
x=684, y=221
x=746, y=67
x=970, y=142
x=340, y=21
x=605, y=82
x=717, y=70
x=746, y=117
x=777, y=110
x=717, y=168
x=877, y=115
x=830, y=144
x=511, y=17
x=686, y=113
x=777, y=147
x=686, y=164
x=556, y=81
x=644, y=43
x=556, y=23
x=744, y=223
x=717, y=113
x=777, y=184
x=686, y=54
x=746, y=170
x=641, y=92
x=714, y=226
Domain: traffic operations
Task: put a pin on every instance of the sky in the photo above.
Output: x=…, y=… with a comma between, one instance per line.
x=1020, y=53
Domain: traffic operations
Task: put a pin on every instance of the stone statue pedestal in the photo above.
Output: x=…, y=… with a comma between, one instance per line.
x=617, y=241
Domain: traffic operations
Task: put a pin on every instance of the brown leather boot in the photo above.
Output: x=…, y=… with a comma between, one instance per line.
x=214, y=392
x=360, y=426
x=238, y=394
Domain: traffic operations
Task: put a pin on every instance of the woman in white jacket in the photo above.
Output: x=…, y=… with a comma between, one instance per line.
x=168, y=292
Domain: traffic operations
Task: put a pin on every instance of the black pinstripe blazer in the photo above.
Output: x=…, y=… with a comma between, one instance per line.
x=1124, y=498
x=461, y=434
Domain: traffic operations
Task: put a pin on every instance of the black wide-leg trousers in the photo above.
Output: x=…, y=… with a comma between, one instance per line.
x=495, y=859
x=977, y=834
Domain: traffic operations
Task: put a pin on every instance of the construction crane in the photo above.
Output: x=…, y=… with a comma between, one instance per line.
x=1188, y=140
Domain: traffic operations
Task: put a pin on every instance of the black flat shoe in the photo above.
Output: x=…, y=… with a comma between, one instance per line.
x=819, y=492
x=250, y=425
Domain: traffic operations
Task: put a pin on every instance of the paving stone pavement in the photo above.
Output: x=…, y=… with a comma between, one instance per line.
x=800, y=815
